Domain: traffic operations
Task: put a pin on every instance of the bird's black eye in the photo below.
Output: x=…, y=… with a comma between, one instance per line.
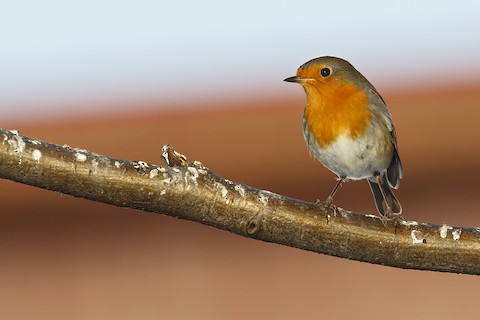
x=325, y=72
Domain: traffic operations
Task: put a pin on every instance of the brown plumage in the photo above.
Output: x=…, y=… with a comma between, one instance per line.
x=349, y=129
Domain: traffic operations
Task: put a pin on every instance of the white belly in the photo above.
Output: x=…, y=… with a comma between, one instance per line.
x=354, y=159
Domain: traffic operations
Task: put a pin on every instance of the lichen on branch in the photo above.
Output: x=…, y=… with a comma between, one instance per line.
x=189, y=190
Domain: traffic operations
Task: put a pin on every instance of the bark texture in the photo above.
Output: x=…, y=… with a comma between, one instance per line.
x=191, y=191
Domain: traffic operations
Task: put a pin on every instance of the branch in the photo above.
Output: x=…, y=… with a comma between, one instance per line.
x=191, y=191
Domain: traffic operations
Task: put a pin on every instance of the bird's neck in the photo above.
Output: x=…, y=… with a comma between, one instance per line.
x=335, y=110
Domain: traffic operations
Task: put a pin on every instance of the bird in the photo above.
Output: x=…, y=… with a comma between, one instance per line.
x=349, y=129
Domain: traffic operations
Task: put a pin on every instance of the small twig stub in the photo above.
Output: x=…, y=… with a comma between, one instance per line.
x=191, y=191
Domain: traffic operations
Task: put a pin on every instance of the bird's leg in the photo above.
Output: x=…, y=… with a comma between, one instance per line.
x=389, y=214
x=329, y=202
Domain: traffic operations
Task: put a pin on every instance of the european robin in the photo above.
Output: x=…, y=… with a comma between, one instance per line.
x=348, y=128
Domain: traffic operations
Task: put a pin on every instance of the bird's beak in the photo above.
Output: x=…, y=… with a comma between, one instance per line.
x=296, y=79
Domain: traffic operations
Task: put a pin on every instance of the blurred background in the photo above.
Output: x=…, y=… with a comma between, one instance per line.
x=118, y=77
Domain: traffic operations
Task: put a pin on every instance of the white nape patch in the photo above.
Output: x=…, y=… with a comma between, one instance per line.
x=153, y=173
x=15, y=132
x=117, y=164
x=80, y=157
x=456, y=234
x=417, y=237
x=240, y=189
x=36, y=155
x=444, y=230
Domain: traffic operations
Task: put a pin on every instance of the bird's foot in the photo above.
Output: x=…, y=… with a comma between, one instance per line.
x=389, y=215
x=329, y=207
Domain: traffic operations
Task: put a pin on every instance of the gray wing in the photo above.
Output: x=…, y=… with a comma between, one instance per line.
x=395, y=169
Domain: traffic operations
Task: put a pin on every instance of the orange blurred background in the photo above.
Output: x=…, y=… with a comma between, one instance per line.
x=122, y=78
x=68, y=258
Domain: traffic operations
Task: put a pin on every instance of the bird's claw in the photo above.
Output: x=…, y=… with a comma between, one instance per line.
x=396, y=218
x=329, y=207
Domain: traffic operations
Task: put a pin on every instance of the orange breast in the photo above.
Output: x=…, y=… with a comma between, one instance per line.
x=336, y=108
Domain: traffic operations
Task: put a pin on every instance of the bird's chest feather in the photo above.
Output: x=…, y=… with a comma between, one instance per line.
x=336, y=110
x=339, y=131
x=353, y=159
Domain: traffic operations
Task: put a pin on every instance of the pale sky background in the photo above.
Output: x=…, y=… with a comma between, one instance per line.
x=59, y=56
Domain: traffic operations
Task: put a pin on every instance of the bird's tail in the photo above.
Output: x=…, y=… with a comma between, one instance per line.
x=390, y=198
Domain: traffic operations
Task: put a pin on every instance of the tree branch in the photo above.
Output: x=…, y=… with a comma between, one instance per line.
x=191, y=191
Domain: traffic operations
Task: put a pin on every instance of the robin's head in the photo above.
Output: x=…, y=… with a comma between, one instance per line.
x=335, y=91
x=324, y=72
